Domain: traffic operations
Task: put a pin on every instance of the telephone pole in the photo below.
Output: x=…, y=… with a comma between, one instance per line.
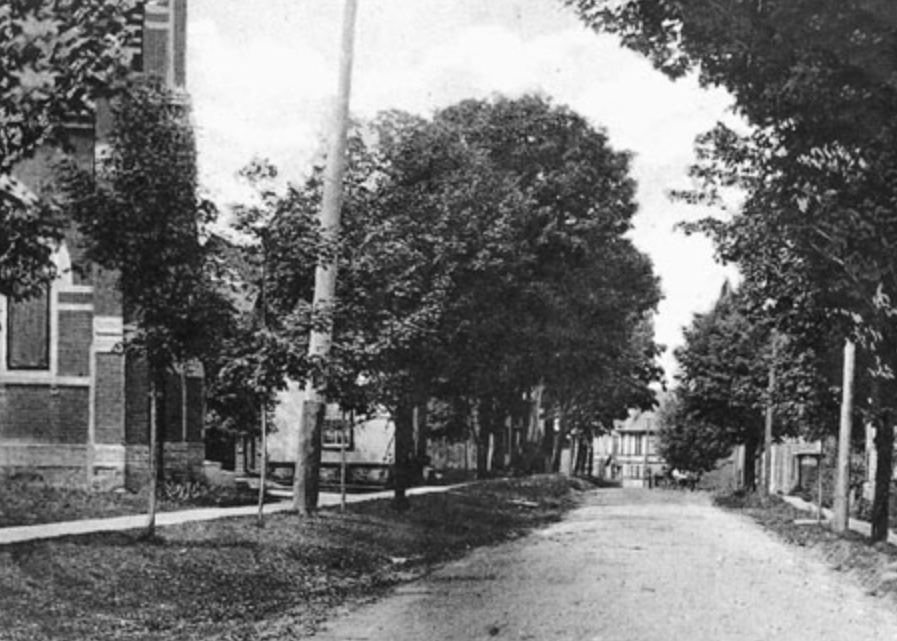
x=308, y=455
x=766, y=470
x=841, y=517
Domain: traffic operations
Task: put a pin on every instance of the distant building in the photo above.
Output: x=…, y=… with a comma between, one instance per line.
x=71, y=408
x=628, y=454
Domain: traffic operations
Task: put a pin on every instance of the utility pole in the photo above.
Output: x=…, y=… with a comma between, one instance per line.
x=766, y=476
x=840, y=518
x=263, y=475
x=308, y=455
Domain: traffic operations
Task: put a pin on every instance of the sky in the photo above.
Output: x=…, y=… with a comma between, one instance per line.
x=263, y=74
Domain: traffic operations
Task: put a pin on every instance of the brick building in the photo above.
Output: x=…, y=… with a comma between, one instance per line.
x=71, y=408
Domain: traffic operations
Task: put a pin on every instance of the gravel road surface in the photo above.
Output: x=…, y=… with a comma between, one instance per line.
x=630, y=565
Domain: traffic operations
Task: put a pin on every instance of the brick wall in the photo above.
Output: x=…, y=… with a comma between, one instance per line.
x=44, y=413
x=106, y=299
x=181, y=462
x=75, y=337
x=136, y=402
x=109, y=408
x=170, y=406
x=57, y=464
x=195, y=408
x=136, y=466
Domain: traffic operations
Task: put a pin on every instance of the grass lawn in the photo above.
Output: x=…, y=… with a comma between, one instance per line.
x=873, y=566
x=30, y=503
x=230, y=580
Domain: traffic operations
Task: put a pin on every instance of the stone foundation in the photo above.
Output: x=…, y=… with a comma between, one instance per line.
x=182, y=462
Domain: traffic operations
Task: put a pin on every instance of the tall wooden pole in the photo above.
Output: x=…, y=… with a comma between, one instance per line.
x=840, y=518
x=263, y=472
x=769, y=419
x=308, y=456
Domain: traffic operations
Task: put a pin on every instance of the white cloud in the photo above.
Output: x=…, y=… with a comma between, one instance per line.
x=252, y=97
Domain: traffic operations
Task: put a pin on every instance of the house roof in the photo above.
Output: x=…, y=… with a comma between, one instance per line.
x=637, y=422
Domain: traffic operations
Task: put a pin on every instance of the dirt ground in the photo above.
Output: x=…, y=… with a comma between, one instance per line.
x=631, y=565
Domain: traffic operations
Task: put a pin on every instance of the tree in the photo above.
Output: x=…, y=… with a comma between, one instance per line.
x=142, y=217
x=59, y=57
x=687, y=442
x=724, y=365
x=723, y=389
x=555, y=290
x=815, y=79
x=481, y=256
x=264, y=346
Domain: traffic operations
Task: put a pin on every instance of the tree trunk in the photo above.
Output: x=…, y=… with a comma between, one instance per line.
x=579, y=465
x=750, y=462
x=403, y=457
x=499, y=444
x=482, y=440
x=422, y=431
x=884, y=450
x=534, y=432
x=556, y=443
x=263, y=475
x=152, y=463
x=590, y=460
x=161, y=420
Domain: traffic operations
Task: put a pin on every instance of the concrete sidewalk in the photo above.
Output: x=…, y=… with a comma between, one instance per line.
x=861, y=527
x=24, y=533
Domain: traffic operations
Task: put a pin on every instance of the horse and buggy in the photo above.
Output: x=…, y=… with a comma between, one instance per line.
x=676, y=478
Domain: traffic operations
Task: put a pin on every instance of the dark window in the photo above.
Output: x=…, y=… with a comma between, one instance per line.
x=28, y=333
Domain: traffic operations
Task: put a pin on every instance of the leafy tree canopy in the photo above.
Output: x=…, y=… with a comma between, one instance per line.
x=142, y=216
x=482, y=253
x=58, y=57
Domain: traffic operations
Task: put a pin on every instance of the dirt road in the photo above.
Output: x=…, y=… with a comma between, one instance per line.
x=630, y=565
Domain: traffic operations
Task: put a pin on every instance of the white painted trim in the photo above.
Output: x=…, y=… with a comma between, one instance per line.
x=108, y=326
x=91, y=414
x=46, y=379
x=107, y=455
x=54, y=328
x=108, y=333
x=76, y=289
x=75, y=307
x=3, y=321
x=21, y=442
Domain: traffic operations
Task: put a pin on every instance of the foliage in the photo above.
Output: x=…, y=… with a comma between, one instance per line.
x=482, y=254
x=526, y=278
x=264, y=342
x=723, y=387
x=29, y=234
x=816, y=81
x=58, y=58
x=686, y=442
x=142, y=217
x=724, y=368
